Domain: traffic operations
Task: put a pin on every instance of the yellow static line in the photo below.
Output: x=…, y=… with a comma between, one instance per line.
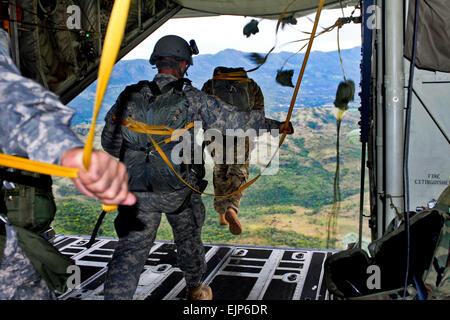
x=111, y=46
x=36, y=166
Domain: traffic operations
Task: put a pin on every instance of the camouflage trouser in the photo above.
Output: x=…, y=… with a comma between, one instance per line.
x=18, y=278
x=227, y=178
x=133, y=248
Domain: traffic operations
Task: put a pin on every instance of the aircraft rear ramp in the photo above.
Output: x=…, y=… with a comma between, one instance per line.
x=234, y=272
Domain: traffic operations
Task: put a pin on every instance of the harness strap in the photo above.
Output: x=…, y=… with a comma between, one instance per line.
x=36, y=166
x=158, y=130
x=240, y=76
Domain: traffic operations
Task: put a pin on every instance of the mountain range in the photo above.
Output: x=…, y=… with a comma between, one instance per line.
x=322, y=76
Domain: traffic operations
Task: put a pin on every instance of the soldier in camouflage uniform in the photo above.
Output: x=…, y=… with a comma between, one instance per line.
x=34, y=124
x=228, y=178
x=137, y=227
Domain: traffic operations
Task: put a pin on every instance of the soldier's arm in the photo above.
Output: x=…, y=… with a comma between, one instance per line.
x=33, y=122
x=257, y=103
x=221, y=116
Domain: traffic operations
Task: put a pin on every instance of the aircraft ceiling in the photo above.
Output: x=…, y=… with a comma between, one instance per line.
x=255, y=8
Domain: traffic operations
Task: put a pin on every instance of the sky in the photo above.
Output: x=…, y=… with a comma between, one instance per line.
x=214, y=34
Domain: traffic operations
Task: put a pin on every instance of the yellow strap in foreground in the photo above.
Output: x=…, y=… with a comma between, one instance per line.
x=302, y=70
x=111, y=46
x=36, y=166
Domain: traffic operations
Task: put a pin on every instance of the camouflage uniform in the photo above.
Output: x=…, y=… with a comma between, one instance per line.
x=18, y=279
x=137, y=227
x=228, y=178
x=34, y=124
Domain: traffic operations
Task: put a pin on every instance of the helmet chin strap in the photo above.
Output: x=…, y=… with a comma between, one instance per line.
x=186, y=71
x=178, y=69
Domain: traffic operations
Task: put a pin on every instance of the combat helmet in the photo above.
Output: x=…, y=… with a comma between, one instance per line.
x=174, y=46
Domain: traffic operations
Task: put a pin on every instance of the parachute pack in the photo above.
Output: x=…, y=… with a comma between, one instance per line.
x=27, y=200
x=167, y=110
x=231, y=85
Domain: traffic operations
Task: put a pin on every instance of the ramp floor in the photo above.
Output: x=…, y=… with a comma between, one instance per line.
x=234, y=272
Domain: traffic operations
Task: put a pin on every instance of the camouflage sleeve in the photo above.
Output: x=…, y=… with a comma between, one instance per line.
x=111, y=134
x=256, y=96
x=216, y=114
x=34, y=123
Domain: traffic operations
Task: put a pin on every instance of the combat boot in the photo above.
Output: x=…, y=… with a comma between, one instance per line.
x=233, y=221
x=201, y=292
x=222, y=220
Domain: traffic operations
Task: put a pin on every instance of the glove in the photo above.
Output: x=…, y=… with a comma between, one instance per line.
x=289, y=129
